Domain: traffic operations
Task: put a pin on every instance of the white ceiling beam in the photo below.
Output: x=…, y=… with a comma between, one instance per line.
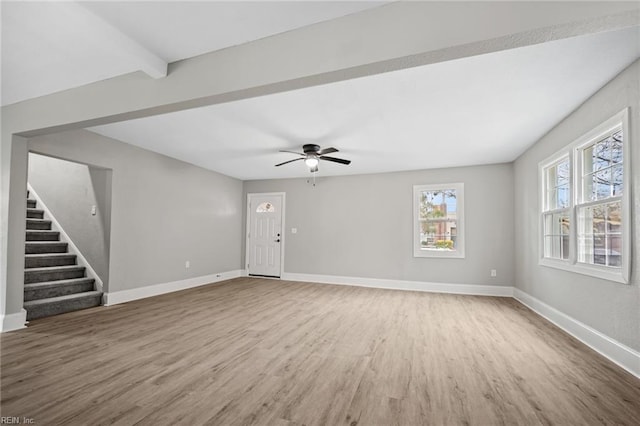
x=395, y=36
x=147, y=61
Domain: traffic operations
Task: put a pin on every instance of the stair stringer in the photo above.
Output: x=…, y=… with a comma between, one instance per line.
x=64, y=237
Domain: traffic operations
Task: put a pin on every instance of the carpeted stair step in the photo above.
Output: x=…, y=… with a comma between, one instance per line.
x=48, y=289
x=48, y=260
x=39, y=224
x=62, y=304
x=31, y=203
x=42, y=235
x=36, y=275
x=35, y=214
x=35, y=247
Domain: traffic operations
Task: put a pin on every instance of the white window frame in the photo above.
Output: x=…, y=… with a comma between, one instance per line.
x=418, y=251
x=574, y=152
x=546, y=210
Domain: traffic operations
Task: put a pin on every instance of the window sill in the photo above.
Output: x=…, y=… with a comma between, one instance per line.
x=439, y=254
x=609, y=274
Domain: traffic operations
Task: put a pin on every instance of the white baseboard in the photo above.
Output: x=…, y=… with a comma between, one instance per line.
x=470, y=289
x=13, y=321
x=116, y=297
x=622, y=355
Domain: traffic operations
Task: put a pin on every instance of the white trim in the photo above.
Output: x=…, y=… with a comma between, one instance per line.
x=616, y=352
x=116, y=297
x=469, y=289
x=13, y=321
x=282, y=226
x=418, y=251
x=64, y=237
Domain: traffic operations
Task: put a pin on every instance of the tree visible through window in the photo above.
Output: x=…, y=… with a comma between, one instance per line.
x=600, y=204
x=438, y=220
x=587, y=184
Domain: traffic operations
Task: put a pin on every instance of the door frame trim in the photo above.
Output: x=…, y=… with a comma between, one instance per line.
x=248, y=227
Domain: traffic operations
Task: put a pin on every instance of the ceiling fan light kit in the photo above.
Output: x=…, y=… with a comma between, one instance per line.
x=311, y=161
x=312, y=154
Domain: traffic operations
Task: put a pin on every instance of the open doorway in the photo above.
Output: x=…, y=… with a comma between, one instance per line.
x=68, y=235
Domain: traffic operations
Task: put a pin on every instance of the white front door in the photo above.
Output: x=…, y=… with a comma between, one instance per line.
x=264, y=234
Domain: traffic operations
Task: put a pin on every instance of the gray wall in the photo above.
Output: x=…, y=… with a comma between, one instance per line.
x=213, y=78
x=164, y=211
x=69, y=190
x=361, y=226
x=606, y=306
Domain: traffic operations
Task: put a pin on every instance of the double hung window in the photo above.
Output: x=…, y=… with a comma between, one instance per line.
x=585, y=204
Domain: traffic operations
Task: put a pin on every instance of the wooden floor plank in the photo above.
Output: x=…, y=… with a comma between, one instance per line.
x=264, y=352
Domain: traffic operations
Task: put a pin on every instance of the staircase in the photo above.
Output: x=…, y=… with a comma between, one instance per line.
x=53, y=281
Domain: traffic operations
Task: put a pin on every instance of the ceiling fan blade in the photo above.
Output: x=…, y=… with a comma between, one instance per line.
x=327, y=151
x=290, y=161
x=335, y=160
x=293, y=152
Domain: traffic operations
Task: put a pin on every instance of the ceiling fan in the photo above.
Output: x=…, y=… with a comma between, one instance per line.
x=312, y=156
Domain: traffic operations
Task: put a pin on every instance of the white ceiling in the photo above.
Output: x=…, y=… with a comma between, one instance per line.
x=182, y=29
x=49, y=46
x=477, y=110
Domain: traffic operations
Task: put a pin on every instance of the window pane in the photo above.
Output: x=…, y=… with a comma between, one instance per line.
x=548, y=224
x=601, y=185
x=552, y=201
x=549, y=246
x=614, y=218
x=563, y=172
x=556, y=229
x=602, y=169
x=552, y=177
x=588, y=193
x=562, y=196
x=587, y=159
x=597, y=219
x=438, y=220
x=557, y=191
x=616, y=147
x=599, y=250
x=265, y=208
x=555, y=247
x=599, y=235
x=565, y=247
x=585, y=249
x=596, y=157
x=616, y=180
x=614, y=246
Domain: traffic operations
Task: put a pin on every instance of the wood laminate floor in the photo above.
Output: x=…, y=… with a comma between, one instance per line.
x=255, y=351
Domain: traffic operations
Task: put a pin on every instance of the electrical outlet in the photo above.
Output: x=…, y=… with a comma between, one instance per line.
x=187, y=264
x=294, y=230
x=93, y=210
x=494, y=273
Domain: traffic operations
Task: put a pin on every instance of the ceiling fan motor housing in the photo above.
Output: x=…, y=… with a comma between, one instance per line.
x=311, y=148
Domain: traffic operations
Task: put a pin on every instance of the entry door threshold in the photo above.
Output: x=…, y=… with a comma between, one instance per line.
x=272, y=277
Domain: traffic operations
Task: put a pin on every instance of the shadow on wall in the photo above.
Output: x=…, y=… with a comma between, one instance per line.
x=79, y=197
